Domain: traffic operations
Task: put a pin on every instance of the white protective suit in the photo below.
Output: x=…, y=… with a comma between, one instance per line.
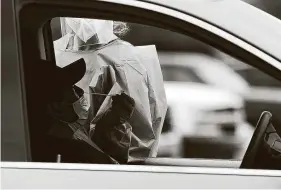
x=113, y=66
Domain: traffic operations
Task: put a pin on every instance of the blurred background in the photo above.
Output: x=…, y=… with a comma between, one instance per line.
x=214, y=101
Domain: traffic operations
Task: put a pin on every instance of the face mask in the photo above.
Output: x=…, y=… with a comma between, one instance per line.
x=73, y=107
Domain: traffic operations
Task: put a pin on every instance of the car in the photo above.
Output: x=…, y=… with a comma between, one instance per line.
x=201, y=118
x=233, y=27
x=196, y=77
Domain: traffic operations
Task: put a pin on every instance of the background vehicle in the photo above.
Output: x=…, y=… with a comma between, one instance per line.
x=210, y=23
x=203, y=118
x=205, y=114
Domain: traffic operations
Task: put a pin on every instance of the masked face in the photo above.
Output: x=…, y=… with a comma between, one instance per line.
x=71, y=108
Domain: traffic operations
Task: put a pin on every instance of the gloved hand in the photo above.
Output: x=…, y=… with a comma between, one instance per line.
x=122, y=106
x=111, y=133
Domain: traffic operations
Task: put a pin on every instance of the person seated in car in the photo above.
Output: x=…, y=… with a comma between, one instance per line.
x=119, y=110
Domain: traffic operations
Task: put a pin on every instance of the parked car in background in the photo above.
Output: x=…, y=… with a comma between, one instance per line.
x=204, y=113
x=201, y=118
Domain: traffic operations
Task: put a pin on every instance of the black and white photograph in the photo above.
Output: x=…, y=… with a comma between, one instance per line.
x=141, y=94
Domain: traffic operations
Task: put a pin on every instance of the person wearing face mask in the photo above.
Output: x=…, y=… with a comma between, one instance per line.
x=120, y=102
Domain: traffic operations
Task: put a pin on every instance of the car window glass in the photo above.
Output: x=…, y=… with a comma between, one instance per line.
x=214, y=100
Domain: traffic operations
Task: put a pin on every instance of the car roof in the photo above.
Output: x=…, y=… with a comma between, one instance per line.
x=236, y=17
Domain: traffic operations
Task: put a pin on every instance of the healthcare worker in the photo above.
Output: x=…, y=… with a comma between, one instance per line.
x=120, y=102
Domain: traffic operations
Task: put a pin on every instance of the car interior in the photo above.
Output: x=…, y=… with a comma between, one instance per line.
x=264, y=150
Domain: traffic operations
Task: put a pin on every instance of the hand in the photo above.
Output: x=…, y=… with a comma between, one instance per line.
x=123, y=106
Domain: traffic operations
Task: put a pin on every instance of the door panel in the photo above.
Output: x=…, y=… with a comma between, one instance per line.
x=93, y=176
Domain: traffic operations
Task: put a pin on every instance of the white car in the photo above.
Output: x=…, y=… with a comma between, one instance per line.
x=231, y=26
x=206, y=112
x=201, y=117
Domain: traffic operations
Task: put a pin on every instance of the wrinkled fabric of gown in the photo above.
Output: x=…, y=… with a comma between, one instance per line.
x=114, y=66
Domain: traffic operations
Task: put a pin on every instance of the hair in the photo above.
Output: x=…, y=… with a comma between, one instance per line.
x=120, y=28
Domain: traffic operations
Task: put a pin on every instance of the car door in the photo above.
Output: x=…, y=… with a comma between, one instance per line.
x=29, y=41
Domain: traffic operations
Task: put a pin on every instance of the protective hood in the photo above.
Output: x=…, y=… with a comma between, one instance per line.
x=84, y=34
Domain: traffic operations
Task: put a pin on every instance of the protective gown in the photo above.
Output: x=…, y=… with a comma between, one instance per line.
x=124, y=103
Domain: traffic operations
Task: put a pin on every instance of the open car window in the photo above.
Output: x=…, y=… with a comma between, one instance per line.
x=208, y=99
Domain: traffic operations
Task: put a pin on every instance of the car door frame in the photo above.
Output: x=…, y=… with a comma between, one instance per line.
x=80, y=176
x=133, y=11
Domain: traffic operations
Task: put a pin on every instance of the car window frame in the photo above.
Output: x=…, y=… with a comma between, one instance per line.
x=184, y=24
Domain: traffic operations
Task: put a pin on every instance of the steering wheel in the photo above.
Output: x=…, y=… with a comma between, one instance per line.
x=256, y=141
